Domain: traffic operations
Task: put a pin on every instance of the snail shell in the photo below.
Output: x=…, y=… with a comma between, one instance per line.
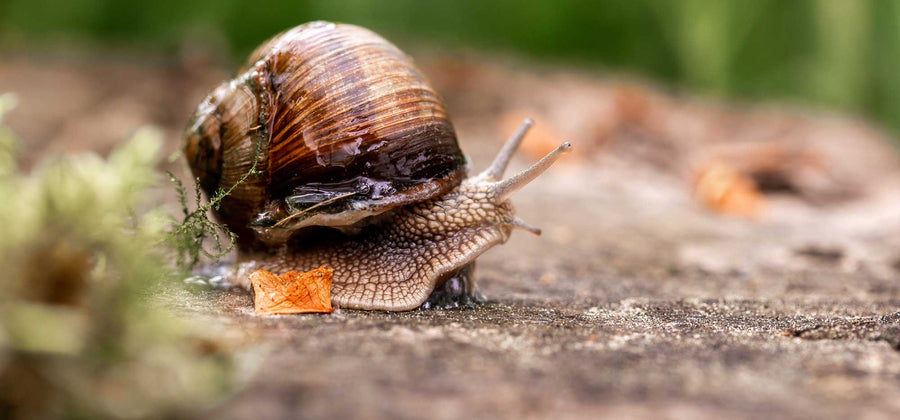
x=341, y=126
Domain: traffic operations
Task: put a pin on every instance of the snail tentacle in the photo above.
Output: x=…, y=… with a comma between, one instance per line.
x=498, y=166
x=521, y=224
x=504, y=189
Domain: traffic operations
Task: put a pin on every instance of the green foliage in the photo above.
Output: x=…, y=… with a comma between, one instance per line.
x=838, y=53
x=8, y=143
x=83, y=257
x=195, y=229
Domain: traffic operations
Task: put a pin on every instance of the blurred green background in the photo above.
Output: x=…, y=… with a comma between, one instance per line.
x=841, y=54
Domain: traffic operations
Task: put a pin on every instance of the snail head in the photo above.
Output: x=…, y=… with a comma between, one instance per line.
x=483, y=201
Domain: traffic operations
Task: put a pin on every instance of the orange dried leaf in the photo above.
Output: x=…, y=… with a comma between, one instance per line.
x=292, y=292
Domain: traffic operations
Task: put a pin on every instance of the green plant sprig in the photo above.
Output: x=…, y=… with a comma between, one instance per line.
x=190, y=235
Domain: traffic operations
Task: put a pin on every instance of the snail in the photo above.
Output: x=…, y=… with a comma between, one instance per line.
x=338, y=152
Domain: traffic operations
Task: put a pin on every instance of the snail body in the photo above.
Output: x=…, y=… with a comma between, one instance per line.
x=337, y=151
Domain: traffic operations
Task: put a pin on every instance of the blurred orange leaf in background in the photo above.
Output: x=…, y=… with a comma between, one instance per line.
x=292, y=292
x=723, y=189
x=541, y=139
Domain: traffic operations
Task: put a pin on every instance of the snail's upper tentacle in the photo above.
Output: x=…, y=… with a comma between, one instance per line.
x=498, y=166
x=502, y=190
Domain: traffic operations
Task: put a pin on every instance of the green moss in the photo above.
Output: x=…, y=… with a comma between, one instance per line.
x=189, y=236
x=84, y=255
x=8, y=143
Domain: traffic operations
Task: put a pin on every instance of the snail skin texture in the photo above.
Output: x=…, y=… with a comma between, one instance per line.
x=357, y=167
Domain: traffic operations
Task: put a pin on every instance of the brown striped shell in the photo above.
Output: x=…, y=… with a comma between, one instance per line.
x=340, y=125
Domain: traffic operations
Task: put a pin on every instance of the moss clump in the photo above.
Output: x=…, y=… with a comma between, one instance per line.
x=82, y=255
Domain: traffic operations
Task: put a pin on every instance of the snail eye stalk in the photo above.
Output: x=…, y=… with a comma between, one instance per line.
x=498, y=166
x=505, y=188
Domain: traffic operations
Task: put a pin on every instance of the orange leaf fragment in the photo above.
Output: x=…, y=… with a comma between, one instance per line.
x=292, y=292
